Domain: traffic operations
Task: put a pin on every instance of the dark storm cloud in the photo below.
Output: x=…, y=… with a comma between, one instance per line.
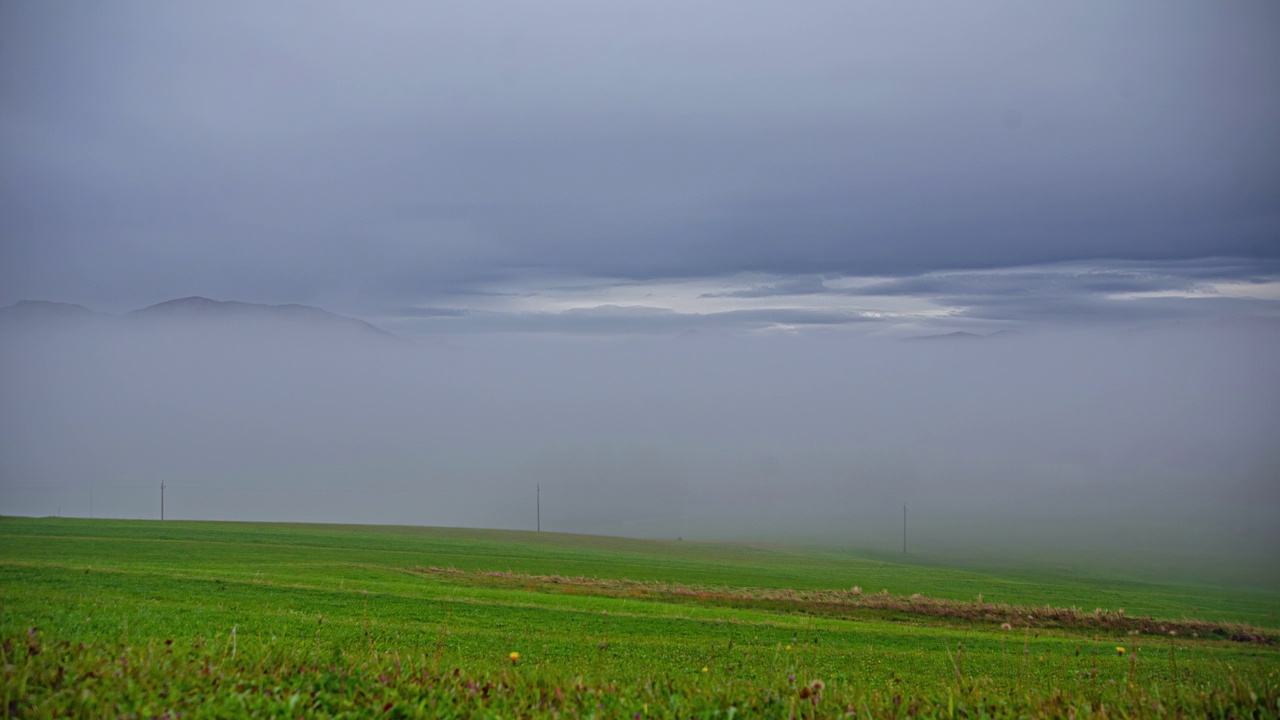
x=407, y=154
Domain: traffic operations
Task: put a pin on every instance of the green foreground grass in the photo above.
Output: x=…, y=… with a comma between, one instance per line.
x=143, y=619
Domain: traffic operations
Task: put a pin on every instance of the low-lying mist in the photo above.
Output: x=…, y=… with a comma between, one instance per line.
x=1121, y=447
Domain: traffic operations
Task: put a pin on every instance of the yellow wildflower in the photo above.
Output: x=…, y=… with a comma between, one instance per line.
x=1120, y=650
x=514, y=656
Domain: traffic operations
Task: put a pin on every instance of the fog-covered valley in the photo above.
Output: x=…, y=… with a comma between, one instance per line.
x=1158, y=441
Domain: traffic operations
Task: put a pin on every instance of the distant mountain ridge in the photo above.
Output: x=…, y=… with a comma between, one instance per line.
x=196, y=309
x=45, y=309
x=962, y=335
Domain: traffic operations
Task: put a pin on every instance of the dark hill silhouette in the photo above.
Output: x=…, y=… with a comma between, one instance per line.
x=192, y=312
x=959, y=335
x=966, y=336
x=200, y=308
x=44, y=310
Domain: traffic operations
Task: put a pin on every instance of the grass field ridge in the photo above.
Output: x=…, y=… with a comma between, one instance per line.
x=845, y=602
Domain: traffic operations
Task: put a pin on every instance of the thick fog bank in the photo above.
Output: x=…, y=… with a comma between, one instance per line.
x=1162, y=442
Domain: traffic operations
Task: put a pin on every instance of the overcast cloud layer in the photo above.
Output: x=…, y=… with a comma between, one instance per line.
x=503, y=166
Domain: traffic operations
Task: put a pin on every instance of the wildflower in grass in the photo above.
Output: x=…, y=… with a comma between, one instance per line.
x=812, y=690
x=1120, y=651
x=788, y=647
x=514, y=656
x=1006, y=626
x=705, y=670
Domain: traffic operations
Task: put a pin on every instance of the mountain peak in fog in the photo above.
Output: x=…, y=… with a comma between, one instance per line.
x=39, y=315
x=39, y=309
x=962, y=335
x=958, y=335
x=194, y=309
x=195, y=302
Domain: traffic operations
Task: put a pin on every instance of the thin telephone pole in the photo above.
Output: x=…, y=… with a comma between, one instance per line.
x=904, y=528
x=539, y=507
x=161, y=499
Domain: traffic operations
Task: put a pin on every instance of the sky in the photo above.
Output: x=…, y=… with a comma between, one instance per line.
x=485, y=167
x=665, y=260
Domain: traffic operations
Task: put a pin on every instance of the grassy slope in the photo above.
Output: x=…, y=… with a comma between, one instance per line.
x=326, y=553
x=304, y=586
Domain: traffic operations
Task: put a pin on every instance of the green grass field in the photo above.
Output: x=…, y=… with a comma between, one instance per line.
x=142, y=618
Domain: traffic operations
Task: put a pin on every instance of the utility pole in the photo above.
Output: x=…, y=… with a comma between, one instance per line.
x=162, y=501
x=539, y=507
x=904, y=528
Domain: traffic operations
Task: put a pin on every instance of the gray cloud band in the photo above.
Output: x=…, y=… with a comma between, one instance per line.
x=441, y=151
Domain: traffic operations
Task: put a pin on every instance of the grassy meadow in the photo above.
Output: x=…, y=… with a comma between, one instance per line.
x=145, y=619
